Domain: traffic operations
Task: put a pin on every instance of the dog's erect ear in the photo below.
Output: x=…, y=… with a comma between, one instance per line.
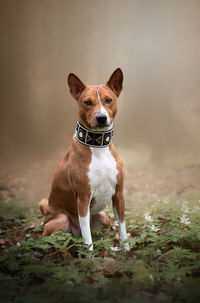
x=115, y=81
x=75, y=85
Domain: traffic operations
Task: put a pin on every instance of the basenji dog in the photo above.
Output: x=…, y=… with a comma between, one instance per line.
x=91, y=173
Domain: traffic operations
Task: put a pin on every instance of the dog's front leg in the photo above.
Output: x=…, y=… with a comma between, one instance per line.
x=84, y=220
x=118, y=209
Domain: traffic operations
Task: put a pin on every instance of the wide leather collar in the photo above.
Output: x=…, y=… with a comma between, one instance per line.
x=93, y=138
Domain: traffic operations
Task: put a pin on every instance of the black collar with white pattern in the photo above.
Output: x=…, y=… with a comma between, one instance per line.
x=93, y=138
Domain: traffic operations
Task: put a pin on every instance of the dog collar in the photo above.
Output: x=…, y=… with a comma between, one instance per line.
x=93, y=138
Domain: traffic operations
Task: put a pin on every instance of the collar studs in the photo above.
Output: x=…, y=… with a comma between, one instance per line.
x=93, y=138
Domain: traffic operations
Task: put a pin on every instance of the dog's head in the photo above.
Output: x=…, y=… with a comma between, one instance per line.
x=97, y=103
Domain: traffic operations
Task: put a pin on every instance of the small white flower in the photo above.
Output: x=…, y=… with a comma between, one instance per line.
x=153, y=228
x=115, y=225
x=184, y=219
x=159, y=251
x=115, y=248
x=196, y=207
x=147, y=217
x=185, y=208
x=18, y=244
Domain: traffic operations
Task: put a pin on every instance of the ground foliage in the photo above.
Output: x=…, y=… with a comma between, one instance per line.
x=162, y=266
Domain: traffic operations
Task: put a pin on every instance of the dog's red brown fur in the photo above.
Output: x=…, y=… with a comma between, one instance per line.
x=70, y=192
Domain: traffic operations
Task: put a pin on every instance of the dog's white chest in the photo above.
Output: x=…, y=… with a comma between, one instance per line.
x=102, y=177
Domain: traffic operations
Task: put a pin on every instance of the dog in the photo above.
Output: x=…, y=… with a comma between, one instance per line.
x=91, y=173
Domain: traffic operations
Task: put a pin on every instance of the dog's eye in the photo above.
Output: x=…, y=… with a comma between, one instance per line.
x=88, y=102
x=108, y=100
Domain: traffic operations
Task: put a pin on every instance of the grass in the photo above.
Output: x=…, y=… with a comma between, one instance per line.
x=162, y=214
x=162, y=266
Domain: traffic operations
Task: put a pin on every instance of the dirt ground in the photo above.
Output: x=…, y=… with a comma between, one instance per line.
x=30, y=179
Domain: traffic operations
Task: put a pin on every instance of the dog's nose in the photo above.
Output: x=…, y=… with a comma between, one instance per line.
x=101, y=118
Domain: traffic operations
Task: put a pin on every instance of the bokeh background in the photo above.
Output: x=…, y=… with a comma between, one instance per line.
x=156, y=43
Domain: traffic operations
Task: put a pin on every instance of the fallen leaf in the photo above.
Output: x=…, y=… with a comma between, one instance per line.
x=6, y=242
x=109, y=265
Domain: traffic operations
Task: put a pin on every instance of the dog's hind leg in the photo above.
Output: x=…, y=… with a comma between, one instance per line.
x=54, y=221
x=60, y=222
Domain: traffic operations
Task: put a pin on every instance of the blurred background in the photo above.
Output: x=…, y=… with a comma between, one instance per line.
x=156, y=44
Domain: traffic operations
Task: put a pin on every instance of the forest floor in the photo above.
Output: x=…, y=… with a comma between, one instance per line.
x=162, y=214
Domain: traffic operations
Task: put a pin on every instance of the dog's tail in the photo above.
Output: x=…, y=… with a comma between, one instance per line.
x=43, y=204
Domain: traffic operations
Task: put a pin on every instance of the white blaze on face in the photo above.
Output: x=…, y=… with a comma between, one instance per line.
x=102, y=109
